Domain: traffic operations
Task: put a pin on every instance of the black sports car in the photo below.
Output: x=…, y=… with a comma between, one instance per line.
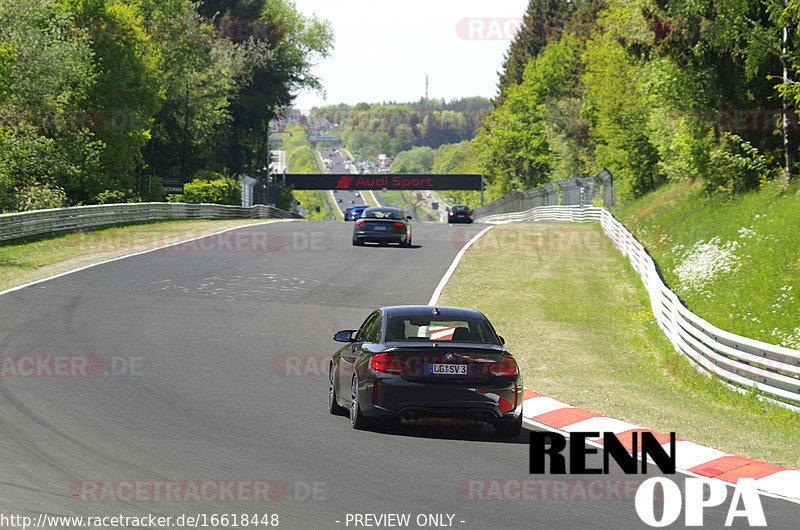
x=382, y=225
x=413, y=362
x=459, y=213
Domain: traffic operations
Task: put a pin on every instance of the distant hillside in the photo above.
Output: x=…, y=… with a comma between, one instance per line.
x=394, y=127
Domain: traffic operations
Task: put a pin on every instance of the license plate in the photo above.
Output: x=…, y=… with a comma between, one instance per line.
x=447, y=369
x=379, y=227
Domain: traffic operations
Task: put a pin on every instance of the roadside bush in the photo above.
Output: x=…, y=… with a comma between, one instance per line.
x=223, y=191
x=736, y=165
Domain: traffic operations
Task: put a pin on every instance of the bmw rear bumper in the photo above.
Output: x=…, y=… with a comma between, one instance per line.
x=397, y=398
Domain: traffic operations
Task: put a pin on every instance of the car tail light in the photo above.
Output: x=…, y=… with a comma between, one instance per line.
x=359, y=223
x=399, y=224
x=383, y=362
x=469, y=212
x=507, y=366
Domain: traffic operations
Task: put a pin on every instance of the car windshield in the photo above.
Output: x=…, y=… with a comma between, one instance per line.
x=382, y=213
x=460, y=208
x=419, y=329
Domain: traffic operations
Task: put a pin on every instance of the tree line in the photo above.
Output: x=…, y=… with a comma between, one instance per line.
x=100, y=100
x=392, y=127
x=653, y=90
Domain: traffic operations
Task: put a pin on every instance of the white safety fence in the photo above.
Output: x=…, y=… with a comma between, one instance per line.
x=24, y=224
x=772, y=369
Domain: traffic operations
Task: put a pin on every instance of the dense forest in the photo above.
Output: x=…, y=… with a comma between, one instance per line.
x=100, y=100
x=653, y=90
x=390, y=127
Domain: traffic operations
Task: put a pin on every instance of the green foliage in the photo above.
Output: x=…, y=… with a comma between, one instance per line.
x=417, y=160
x=391, y=128
x=39, y=196
x=514, y=147
x=543, y=20
x=460, y=158
x=735, y=166
x=222, y=191
x=114, y=197
x=101, y=97
x=618, y=116
x=310, y=200
x=662, y=92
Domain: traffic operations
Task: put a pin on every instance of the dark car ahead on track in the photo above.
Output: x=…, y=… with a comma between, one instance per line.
x=459, y=213
x=382, y=225
x=352, y=213
x=410, y=363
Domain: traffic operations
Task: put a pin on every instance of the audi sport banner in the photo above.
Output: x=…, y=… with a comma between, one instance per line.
x=379, y=181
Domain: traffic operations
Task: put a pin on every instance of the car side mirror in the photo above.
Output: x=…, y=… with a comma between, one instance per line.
x=346, y=335
x=408, y=217
x=502, y=340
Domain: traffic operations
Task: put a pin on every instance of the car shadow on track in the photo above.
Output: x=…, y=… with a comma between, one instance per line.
x=448, y=431
x=378, y=245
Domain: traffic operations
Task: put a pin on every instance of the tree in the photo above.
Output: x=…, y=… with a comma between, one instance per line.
x=47, y=141
x=514, y=147
x=618, y=117
x=543, y=20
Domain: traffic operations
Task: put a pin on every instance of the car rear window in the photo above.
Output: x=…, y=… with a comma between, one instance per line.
x=377, y=213
x=425, y=329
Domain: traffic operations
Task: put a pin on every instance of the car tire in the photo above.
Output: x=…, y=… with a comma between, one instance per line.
x=333, y=406
x=357, y=243
x=509, y=429
x=357, y=418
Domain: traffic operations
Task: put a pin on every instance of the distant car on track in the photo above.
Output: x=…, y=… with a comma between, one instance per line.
x=410, y=363
x=459, y=213
x=355, y=211
x=382, y=225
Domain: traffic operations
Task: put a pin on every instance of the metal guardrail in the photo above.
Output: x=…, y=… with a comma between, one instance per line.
x=578, y=191
x=772, y=369
x=37, y=222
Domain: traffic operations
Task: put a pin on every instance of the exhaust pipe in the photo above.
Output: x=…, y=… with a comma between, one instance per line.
x=411, y=416
x=480, y=417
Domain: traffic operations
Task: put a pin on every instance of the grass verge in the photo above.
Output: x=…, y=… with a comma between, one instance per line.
x=32, y=259
x=735, y=262
x=578, y=319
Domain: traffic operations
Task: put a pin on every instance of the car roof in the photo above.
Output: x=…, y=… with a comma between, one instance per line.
x=392, y=208
x=403, y=311
x=361, y=206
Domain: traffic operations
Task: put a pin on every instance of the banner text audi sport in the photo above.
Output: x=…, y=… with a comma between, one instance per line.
x=379, y=181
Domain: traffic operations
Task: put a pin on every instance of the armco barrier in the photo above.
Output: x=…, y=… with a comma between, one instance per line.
x=772, y=369
x=24, y=224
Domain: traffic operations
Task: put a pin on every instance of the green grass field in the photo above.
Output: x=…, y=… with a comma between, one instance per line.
x=736, y=263
x=578, y=319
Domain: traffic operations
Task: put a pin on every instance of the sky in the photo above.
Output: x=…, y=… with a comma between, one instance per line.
x=383, y=49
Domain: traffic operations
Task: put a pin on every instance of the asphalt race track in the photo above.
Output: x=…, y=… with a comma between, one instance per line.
x=215, y=352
